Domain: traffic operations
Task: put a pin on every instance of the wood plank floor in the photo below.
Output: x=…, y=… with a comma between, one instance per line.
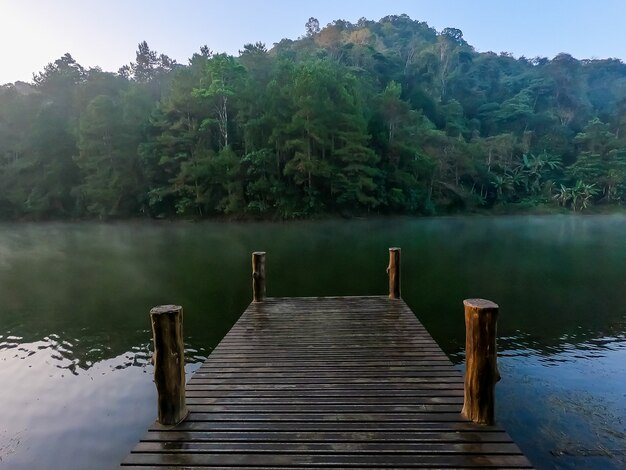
x=341, y=382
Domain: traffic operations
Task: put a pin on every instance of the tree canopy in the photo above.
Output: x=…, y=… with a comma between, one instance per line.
x=387, y=116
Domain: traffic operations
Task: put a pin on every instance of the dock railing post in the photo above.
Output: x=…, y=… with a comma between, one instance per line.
x=481, y=374
x=258, y=276
x=169, y=363
x=394, y=273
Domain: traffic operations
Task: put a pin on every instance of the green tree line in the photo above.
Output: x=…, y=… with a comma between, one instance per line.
x=387, y=116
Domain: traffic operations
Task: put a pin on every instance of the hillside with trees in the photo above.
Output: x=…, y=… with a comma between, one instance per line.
x=377, y=117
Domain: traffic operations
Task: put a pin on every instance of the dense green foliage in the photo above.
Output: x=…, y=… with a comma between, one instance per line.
x=379, y=116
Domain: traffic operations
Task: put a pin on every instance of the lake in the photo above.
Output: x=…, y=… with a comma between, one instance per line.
x=75, y=374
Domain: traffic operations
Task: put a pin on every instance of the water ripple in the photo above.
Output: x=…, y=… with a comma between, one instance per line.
x=566, y=350
x=78, y=355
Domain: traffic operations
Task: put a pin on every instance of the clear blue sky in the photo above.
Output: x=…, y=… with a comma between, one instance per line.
x=106, y=32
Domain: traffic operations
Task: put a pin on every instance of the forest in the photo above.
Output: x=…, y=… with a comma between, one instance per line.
x=377, y=117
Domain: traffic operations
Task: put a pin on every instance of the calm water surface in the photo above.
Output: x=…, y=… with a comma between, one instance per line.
x=75, y=376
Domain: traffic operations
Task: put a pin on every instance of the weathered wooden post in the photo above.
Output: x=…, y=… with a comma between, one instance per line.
x=169, y=363
x=258, y=276
x=481, y=374
x=394, y=273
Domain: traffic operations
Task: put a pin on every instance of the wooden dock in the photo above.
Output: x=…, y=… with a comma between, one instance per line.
x=343, y=382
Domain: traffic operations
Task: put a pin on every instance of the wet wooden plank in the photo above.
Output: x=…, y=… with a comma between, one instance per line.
x=323, y=427
x=434, y=385
x=326, y=382
x=330, y=436
x=353, y=460
x=322, y=400
x=327, y=407
x=327, y=447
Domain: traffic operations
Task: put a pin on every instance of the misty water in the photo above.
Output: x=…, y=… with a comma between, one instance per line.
x=75, y=376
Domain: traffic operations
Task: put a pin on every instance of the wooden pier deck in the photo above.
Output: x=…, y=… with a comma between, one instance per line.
x=341, y=382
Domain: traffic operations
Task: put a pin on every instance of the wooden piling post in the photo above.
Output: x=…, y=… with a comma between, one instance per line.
x=394, y=273
x=169, y=363
x=481, y=374
x=258, y=276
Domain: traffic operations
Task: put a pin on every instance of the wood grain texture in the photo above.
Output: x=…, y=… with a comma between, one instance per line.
x=481, y=373
x=258, y=276
x=169, y=363
x=343, y=382
x=394, y=273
